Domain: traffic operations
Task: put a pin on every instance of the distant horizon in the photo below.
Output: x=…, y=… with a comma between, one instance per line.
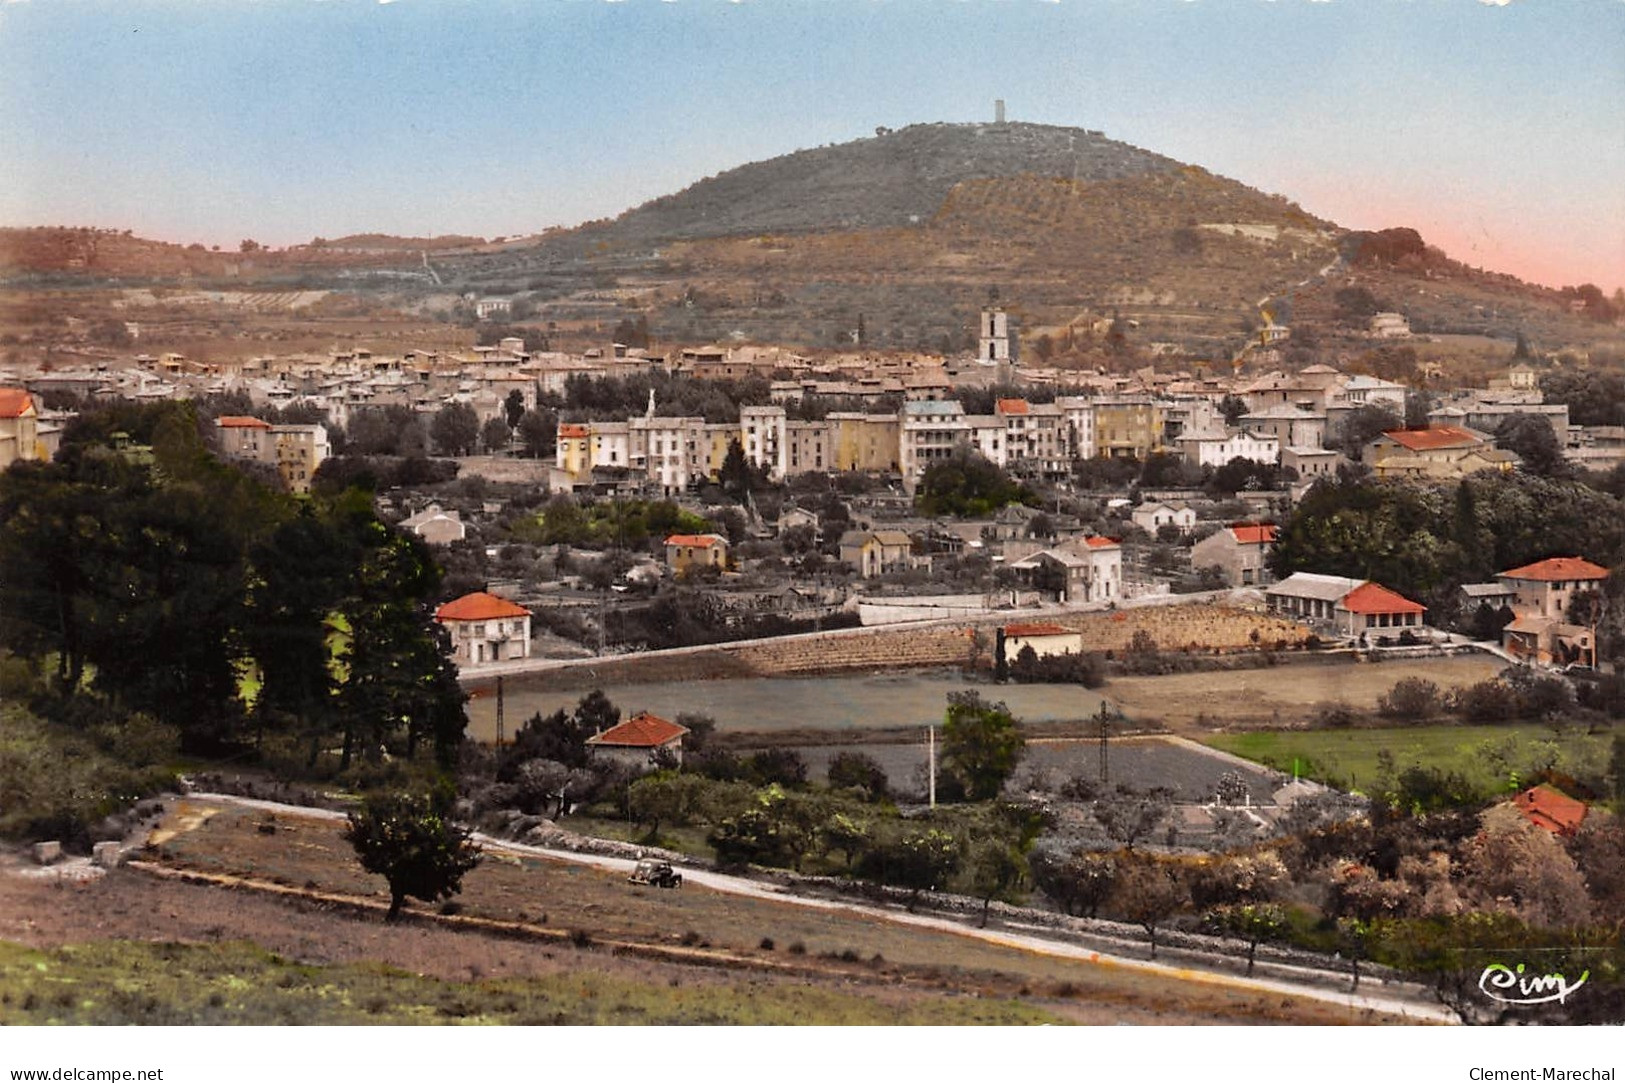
x=1496, y=131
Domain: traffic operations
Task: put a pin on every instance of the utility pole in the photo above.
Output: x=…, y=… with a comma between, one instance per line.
x=1105, y=732
x=931, y=760
x=499, y=712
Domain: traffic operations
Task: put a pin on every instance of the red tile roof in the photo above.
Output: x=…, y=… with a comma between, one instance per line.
x=1035, y=630
x=232, y=421
x=479, y=606
x=1011, y=406
x=642, y=730
x=1255, y=533
x=14, y=402
x=1368, y=598
x=1095, y=541
x=702, y=541
x=1433, y=438
x=573, y=432
x=1556, y=569
x=1552, y=809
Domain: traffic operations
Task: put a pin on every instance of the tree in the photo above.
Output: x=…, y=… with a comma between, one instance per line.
x=981, y=744
x=858, y=771
x=1251, y=922
x=495, y=434
x=1532, y=438
x=538, y=434
x=513, y=408
x=997, y=869
x=1130, y=815
x=919, y=860
x=967, y=485
x=455, y=429
x=1413, y=698
x=1147, y=894
x=1077, y=883
x=412, y=843
x=1234, y=408
x=1364, y=425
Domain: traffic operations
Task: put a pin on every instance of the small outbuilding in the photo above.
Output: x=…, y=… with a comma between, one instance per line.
x=638, y=740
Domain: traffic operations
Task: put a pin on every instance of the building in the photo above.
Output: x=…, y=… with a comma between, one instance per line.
x=1240, y=551
x=1088, y=570
x=640, y=742
x=1390, y=325
x=1153, y=517
x=485, y=628
x=1312, y=463
x=19, y=427
x=993, y=337
x=1218, y=448
x=1551, y=809
x=1347, y=607
x=1044, y=639
x=876, y=552
x=435, y=526
x=931, y=432
x=1542, y=595
x=1127, y=428
x=245, y=438
x=686, y=552
x=1291, y=425
x=300, y=452
x=1439, y=452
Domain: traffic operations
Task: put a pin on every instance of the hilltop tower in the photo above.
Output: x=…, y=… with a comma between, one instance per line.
x=998, y=110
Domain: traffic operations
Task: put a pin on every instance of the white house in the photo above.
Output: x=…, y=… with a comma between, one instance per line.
x=485, y=628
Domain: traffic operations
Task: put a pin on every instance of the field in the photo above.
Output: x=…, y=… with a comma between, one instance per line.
x=533, y=939
x=1280, y=696
x=1485, y=755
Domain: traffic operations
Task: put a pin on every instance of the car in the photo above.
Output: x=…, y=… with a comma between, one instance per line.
x=658, y=873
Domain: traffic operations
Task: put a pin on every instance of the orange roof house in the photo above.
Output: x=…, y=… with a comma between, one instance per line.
x=1542, y=594
x=1551, y=808
x=685, y=551
x=479, y=606
x=1435, y=438
x=19, y=427
x=1255, y=533
x=1008, y=407
x=638, y=739
x=485, y=628
x=1557, y=568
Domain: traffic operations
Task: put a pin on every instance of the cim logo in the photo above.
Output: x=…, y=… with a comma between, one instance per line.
x=1511, y=986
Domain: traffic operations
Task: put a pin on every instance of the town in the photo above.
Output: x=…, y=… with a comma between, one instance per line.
x=703, y=515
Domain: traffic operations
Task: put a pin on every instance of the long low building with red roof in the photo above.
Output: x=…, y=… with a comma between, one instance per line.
x=1354, y=608
x=485, y=628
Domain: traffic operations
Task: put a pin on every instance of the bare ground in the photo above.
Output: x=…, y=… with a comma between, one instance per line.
x=1283, y=696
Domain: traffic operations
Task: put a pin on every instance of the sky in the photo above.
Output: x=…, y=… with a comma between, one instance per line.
x=1496, y=129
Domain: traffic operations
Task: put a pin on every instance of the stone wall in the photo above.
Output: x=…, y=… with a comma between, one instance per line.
x=1205, y=628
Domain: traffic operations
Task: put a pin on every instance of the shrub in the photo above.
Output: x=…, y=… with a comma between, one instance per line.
x=1412, y=698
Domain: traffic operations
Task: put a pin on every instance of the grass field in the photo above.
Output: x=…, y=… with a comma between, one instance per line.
x=1486, y=755
x=121, y=983
x=1281, y=695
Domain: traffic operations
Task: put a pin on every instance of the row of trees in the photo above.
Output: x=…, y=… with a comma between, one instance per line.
x=1425, y=541
x=182, y=588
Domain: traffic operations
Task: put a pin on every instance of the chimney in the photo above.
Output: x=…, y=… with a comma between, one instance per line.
x=998, y=110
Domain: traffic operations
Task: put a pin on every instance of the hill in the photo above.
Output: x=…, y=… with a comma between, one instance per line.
x=907, y=234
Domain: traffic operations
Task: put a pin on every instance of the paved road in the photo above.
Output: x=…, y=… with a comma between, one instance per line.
x=1406, y=1007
